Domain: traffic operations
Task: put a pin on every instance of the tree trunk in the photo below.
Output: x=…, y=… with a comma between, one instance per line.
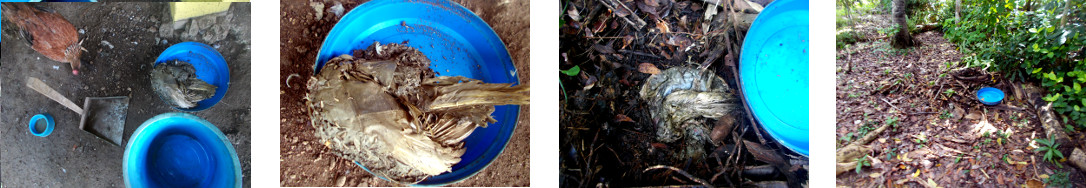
x=902, y=38
x=1066, y=13
x=957, y=11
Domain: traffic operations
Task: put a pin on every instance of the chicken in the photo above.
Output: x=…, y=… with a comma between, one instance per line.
x=48, y=32
x=176, y=82
x=384, y=108
x=678, y=96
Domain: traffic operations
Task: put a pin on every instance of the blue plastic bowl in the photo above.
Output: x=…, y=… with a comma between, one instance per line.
x=990, y=95
x=774, y=69
x=210, y=67
x=457, y=43
x=180, y=150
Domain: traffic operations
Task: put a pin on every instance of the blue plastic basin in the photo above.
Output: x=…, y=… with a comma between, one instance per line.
x=457, y=43
x=180, y=150
x=210, y=67
x=990, y=96
x=774, y=72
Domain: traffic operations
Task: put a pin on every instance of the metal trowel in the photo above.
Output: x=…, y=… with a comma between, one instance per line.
x=102, y=116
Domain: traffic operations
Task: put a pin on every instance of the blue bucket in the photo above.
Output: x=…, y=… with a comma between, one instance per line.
x=180, y=150
x=210, y=67
x=990, y=96
x=457, y=42
x=774, y=71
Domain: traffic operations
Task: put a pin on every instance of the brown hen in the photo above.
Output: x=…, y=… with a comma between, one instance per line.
x=47, y=32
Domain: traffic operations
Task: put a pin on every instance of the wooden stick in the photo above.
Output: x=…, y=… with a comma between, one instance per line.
x=40, y=87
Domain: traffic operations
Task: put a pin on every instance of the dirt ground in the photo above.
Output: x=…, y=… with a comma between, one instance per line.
x=122, y=41
x=934, y=117
x=305, y=162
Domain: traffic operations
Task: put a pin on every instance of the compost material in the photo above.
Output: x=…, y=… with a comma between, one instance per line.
x=649, y=98
x=681, y=96
x=383, y=107
x=176, y=82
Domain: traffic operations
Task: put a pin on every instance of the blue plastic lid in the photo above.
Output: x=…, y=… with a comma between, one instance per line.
x=210, y=67
x=457, y=43
x=774, y=72
x=180, y=150
x=990, y=95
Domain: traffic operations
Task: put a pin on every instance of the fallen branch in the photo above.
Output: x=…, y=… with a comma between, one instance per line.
x=856, y=149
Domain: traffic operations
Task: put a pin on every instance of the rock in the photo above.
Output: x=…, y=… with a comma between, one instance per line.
x=319, y=8
x=341, y=181
x=337, y=10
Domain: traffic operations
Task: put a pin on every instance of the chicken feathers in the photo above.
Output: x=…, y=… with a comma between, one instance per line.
x=47, y=32
x=388, y=111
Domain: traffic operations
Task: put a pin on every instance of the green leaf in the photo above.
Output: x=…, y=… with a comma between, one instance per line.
x=1035, y=71
x=1078, y=88
x=572, y=71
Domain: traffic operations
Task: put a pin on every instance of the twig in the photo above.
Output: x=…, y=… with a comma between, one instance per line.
x=680, y=171
x=630, y=18
x=891, y=104
x=289, y=77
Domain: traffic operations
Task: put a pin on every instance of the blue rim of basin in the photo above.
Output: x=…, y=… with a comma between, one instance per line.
x=210, y=67
x=774, y=72
x=457, y=42
x=49, y=124
x=180, y=150
x=990, y=96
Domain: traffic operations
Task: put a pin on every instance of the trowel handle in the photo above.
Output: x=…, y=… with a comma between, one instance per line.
x=40, y=87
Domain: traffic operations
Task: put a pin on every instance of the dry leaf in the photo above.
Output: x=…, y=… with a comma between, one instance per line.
x=662, y=26
x=1032, y=183
x=574, y=14
x=652, y=3
x=648, y=68
x=623, y=118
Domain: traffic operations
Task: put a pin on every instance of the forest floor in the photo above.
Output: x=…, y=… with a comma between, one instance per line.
x=608, y=137
x=940, y=134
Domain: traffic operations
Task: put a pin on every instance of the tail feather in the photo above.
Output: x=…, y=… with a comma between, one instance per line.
x=475, y=93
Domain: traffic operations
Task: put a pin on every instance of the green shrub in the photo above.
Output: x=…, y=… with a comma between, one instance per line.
x=1050, y=148
x=1029, y=45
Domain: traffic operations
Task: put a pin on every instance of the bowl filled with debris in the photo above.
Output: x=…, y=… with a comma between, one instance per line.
x=775, y=75
x=180, y=150
x=990, y=96
x=457, y=47
x=190, y=76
